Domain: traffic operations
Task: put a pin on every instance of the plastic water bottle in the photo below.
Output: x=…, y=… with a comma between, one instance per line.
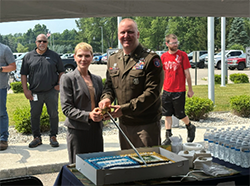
x=249, y=154
x=241, y=135
x=232, y=150
x=211, y=142
x=243, y=128
x=206, y=135
x=243, y=132
x=216, y=144
x=228, y=128
x=237, y=151
x=227, y=148
x=247, y=138
x=221, y=146
x=245, y=154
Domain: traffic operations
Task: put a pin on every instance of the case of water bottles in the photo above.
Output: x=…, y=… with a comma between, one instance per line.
x=230, y=144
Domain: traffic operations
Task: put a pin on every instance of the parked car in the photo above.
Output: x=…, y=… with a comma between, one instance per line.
x=160, y=52
x=16, y=55
x=98, y=59
x=104, y=59
x=67, y=55
x=21, y=57
x=201, y=63
x=228, y=54
x=15, y=75
x=237, y=62
x=69, y=64
x=97, y=54
x=201, y=52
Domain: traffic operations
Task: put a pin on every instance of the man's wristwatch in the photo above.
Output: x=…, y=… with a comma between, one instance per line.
x=1, y=69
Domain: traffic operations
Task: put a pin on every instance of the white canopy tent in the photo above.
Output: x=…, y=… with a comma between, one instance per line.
x=20, y=10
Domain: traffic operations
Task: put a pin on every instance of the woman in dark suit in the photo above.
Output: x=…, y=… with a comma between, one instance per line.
x=80, y=93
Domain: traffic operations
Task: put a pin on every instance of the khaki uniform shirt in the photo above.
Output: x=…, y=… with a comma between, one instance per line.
x=137, y=86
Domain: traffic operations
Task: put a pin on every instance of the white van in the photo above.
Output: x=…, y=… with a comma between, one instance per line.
x=16, y=55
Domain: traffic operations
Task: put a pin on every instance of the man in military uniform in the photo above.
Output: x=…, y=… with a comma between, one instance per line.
x=136, y=83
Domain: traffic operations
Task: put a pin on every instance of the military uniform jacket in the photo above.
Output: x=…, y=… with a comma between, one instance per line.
x=137, y=86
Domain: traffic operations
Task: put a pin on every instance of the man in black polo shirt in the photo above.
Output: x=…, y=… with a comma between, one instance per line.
x=43, y=68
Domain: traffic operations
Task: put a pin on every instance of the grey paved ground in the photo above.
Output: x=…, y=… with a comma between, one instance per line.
x=202, y=74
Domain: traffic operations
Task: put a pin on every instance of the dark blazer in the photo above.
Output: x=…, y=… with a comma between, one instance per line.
x=76, y=101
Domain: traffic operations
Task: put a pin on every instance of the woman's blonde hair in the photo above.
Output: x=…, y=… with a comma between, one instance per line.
x=84, y=46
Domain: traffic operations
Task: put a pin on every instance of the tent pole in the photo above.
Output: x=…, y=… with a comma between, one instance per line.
x=210, y=40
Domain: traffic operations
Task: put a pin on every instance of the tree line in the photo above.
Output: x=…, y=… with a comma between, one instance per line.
x=191, y=32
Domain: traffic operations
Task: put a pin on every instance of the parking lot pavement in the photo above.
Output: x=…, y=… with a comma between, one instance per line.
x=98, y=69
x=202, y=74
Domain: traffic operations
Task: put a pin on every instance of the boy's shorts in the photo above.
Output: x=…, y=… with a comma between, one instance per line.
x=173, y=103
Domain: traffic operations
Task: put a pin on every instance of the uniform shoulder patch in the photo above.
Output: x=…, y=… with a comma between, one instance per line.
x=157, y=62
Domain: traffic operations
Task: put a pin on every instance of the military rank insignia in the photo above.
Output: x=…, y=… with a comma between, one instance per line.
x=140, y=65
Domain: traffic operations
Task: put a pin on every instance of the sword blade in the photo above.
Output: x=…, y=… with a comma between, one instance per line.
x=127, y=138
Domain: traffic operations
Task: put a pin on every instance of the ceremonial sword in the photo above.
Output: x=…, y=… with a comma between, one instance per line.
x=127, y=138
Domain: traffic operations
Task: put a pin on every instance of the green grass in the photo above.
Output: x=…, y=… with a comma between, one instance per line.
x=222, y=94
x=19, y=100
x=222, y=97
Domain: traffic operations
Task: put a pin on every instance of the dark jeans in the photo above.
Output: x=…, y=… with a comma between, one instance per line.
x=4, y=118
x=50, y=98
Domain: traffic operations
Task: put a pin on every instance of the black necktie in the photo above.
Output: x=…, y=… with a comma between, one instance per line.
x=126, y=58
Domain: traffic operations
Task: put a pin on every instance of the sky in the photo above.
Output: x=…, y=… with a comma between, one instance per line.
x=54, y=25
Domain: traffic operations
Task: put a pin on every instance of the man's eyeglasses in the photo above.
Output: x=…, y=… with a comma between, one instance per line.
x=174, y=43
x=39, y=41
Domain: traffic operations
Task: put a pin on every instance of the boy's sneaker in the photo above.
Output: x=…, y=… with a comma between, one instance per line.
x=3, y=145
x=53, y=142
x=167, y=141
x=36, y=141
x=191, y=132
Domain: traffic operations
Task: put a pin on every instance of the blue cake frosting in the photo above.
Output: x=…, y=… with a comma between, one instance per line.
x=111, y=161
